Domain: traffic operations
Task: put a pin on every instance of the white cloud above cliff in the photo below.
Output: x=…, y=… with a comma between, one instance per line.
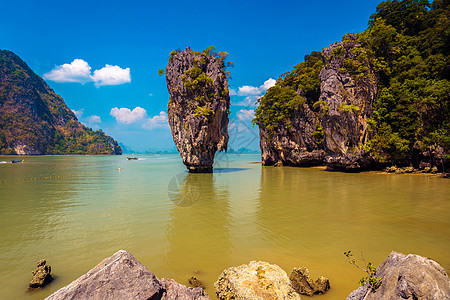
x=125, y=115
x=111, y=75
x=76, y=71
x=251, y=93
x=80, y=71
x=158, y=121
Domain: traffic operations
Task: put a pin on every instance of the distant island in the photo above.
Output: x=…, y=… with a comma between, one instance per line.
x=34, y=120
x=375, y=99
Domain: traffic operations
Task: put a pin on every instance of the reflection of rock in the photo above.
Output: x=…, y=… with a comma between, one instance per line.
x=257, y=280
x=407, y=277
x=185, y=189
x=304, y=285
x=122, y=276
x=198, y=107
x=41, y=276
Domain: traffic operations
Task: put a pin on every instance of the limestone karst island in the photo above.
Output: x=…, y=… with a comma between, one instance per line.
x=305, y=154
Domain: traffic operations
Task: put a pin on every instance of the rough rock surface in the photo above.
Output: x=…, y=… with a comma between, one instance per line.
x=34, y=120
x=174, y=290
x=41, y=276
x=345, y=107
x=198, y=107
x=257, y=280
x=407, y=277
x=122, y=276
x=304, y=285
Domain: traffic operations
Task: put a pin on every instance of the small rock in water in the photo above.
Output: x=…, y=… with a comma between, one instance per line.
x=196, y=283
x=304, y=285
x=41, y=276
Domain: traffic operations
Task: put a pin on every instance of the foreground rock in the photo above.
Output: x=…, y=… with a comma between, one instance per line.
x=41, y=276
x=198, y=107
x=407, y=277
x=257, y=280
x=304, y=285
x=122, y=276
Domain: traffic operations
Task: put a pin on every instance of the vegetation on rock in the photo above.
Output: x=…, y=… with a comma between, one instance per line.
x=406, y=46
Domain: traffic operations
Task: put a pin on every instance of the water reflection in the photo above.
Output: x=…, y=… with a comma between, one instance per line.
x=199, y=230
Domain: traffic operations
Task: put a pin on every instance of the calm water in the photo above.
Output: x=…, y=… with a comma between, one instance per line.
x=76, y=210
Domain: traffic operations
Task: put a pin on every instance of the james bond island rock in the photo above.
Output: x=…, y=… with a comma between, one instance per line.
x=122, y=276
x=199, y=106
x=407, y=277
x=35, y=120
x=322, y=112
x=376, y=99
x=41, y=276
x=304, y=285
x=257, y=280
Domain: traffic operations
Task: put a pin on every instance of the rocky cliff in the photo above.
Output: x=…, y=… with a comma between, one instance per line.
x=328, y=126
x=376, y=99
x=35, y=120
x=198, y=107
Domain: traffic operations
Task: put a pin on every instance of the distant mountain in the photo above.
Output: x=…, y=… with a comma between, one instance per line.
x=35, y=120
x=243, y=150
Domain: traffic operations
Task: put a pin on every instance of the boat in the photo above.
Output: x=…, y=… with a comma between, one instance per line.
x=132, y=158
x=15, y=161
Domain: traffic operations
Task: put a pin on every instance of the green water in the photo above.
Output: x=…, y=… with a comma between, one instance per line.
x=76, y=210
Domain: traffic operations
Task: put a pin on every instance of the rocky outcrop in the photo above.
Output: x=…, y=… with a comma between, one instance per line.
x=122, y=276
x=332, y=130
x=257, y=280
x=198, y=107
x=407, y=277
x=41, y=276
x=304, y=285
x=34, y=120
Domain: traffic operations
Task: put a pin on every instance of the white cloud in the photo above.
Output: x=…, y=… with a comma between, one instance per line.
x=78, y=113
x=268, y=84
x=232, y=92
x=93, y=119
x=245, y=114
x=80, y=71
x=249, y=101
x=76, y=71
x=126, y=116
x=248, y=90
x=111, y=75
x=157, y=121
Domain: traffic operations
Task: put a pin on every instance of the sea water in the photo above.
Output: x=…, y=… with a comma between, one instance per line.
x=75, y=211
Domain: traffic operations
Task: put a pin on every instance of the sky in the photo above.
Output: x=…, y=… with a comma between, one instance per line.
x=103, y=57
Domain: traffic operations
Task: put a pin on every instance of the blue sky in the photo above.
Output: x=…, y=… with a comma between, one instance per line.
x=102, y=57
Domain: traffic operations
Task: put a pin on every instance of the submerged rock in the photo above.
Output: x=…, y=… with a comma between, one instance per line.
x=122, y=276
x=257, y=280
x=41, y=276
x=198, y=107
x=407, y=277
x=304, y=285
x=196, y=283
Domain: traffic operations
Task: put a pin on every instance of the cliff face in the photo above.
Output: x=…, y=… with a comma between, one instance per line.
x=35, y=120
x=198, y=107
x=333, y=129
